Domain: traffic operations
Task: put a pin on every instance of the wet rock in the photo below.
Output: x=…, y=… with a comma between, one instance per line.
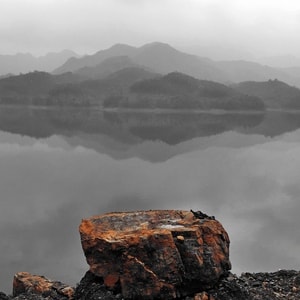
x=26, y=283
x=156, y=254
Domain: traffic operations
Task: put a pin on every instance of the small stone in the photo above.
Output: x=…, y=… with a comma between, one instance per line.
x=203, y=296
x=68, y=292
x=180, y=238
x=25, y=282
x=256, y=283
x=297, y=281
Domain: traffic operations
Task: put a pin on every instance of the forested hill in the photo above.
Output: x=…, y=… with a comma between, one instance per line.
x=274, y=93
x=128, y=88
x=35, y=88
x=67, y=89
x=180, y=91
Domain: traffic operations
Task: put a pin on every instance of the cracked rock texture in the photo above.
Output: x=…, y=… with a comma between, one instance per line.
x=162, y=254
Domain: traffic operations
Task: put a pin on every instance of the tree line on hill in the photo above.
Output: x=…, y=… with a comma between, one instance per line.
x=172, y=91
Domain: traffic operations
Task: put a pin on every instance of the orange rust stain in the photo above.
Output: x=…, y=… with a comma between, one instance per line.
x=109, y=235
x=111, y=280
x=210, y=240
x=86, y=227
x=218, y=256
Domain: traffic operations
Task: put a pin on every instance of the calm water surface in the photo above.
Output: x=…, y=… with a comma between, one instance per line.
x=59, y=166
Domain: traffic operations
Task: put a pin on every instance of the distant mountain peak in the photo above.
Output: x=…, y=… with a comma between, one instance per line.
x=157, y=46
x=117, y=49
x=120, y=45
x=66, y=52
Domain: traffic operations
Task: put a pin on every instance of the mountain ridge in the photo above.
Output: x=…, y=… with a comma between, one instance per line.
x=157, y=56
x=163, y=58
x=74, y=64
x=26, y=62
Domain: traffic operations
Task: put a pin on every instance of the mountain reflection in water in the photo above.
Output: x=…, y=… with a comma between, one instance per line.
x=60, y=165
x=171, y=128
x=136, y=127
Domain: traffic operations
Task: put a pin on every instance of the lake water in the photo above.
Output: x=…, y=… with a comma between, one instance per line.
x=59, y=166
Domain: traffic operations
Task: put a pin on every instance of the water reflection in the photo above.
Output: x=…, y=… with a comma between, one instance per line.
x=127, y=127
x=174, y=128
x=57, y=167
x=131, y=128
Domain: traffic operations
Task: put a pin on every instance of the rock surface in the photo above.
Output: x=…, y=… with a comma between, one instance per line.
x=163, y=254
x=26, y=283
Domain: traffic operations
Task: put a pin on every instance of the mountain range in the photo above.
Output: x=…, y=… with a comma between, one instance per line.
x=156, y=57
x=152, y=76
x=162, y=58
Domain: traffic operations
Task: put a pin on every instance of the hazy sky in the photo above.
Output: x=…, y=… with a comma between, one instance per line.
x=256, y=27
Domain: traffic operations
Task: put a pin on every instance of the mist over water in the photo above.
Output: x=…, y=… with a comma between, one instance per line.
x=244, y=169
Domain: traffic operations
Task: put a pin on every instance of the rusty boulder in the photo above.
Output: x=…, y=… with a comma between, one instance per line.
x=157, y=254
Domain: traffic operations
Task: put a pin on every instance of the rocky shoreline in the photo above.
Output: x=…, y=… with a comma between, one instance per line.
x=282, y=284
x=153, y=255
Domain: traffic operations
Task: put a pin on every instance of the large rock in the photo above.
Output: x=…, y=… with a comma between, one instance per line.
x=162, y=254
x=26, y=283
